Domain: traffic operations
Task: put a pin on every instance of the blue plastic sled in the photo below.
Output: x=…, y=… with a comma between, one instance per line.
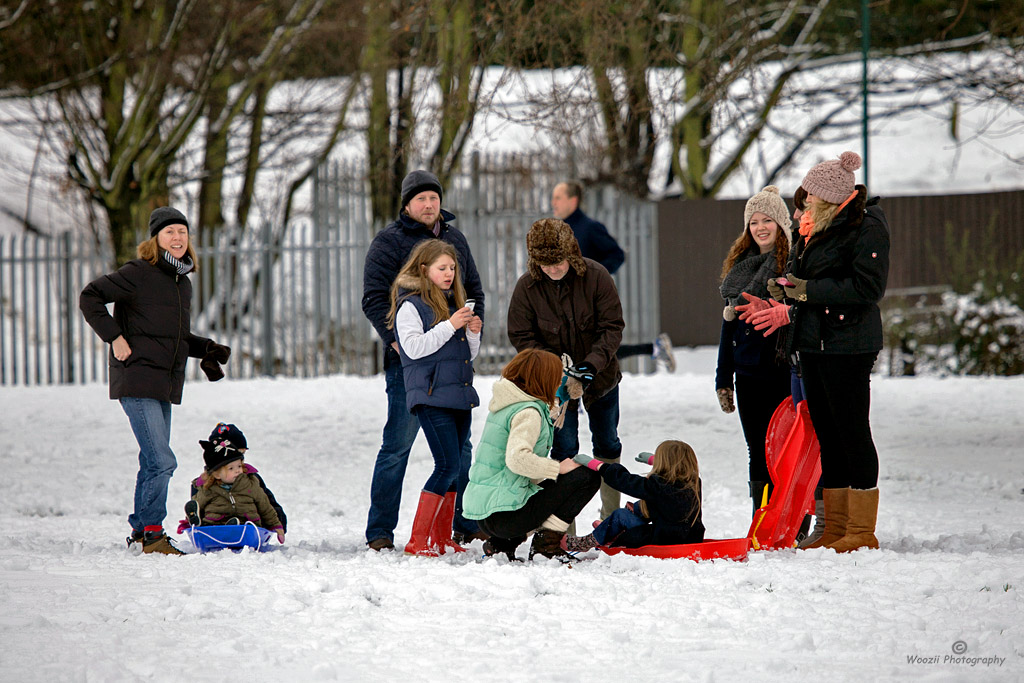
x=232, y=536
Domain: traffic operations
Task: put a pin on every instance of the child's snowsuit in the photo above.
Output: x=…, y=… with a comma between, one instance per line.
x=245, y=499
x=673, y=512
x=252, y=471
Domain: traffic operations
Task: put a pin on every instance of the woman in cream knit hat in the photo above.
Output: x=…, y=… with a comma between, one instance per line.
x=762, y=380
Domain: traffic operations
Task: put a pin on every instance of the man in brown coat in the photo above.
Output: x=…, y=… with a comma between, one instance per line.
x=568, y=304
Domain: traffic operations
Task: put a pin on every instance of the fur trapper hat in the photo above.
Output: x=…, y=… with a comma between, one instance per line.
x=552, y=241
x=833, y=180
x=770, y=203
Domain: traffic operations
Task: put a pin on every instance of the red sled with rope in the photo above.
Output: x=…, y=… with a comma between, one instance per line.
x=792, y=453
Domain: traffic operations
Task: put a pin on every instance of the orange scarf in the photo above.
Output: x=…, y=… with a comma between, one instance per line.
x=807, y=223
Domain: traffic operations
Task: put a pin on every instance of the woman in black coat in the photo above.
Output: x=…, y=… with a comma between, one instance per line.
x=150, y=341
x=838, y=274
x=762, y=376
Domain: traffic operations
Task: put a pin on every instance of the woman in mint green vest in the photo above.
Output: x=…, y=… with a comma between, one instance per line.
x=514, y=487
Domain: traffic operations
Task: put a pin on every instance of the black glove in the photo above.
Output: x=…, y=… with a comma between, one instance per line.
x=211, y=367
x=217, y=352
x=583, y=372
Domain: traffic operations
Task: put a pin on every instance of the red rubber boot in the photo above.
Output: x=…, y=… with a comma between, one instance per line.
x=420, y=543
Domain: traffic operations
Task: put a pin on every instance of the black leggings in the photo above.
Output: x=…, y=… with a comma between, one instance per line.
x=838, y=389
x=757, y=397
x=564, y=498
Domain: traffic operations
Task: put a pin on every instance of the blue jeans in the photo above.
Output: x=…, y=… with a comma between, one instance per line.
x=604, y=427
x=446, y=431
x=614, y=524
x=151, y=423
x=393, y=458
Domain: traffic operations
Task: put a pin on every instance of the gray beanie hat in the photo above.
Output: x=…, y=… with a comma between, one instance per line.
x=419, y=181
x=833, y=180
x=164, y=216
x=768, y=202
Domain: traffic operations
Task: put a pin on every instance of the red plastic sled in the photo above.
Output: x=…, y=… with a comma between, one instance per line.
x=791, y=451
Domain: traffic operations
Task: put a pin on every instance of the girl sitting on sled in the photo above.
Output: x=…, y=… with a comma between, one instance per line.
x=668, y=511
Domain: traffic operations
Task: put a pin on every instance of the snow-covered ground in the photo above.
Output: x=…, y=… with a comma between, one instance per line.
x=77, y=606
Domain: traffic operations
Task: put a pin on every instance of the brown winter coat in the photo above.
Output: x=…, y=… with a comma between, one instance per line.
x=579, y=315
x=246, y=500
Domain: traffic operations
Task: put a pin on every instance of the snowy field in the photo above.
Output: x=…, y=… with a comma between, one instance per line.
x=77, y=606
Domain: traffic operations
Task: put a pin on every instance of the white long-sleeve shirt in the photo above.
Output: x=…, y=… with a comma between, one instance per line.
x=417, y=342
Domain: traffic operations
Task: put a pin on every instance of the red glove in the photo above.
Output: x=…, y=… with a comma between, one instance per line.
x=772, y=318
x=755, y=306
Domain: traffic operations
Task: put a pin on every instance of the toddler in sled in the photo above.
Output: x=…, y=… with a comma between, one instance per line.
x=668, y=510
x=230, y=491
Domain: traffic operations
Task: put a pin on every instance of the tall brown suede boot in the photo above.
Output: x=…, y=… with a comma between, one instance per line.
x=441, y=531
x=860, y=529
x=836, y=513
x=419, y=542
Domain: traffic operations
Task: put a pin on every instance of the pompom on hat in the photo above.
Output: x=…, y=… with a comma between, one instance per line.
x=770, y=203
x=833, y=180
x=164, y=216
x=552, y=241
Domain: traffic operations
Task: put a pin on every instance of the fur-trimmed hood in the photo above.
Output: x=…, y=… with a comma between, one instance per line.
x=505, y=392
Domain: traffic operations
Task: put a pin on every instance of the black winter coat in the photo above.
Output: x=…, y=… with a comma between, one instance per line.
x=846, y=268
x=674, y=512
x=152, y=305
x=595, y=241
x=390, y=250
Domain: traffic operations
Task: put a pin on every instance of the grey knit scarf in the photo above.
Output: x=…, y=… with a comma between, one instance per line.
x=749, y=274
x=183, y=265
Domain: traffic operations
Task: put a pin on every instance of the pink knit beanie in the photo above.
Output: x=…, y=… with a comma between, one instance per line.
x=833, y=180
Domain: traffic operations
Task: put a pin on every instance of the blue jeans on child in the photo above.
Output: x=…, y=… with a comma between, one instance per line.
x=614, y=524
x=446, y=431
x=393, y=458
x=151, y=423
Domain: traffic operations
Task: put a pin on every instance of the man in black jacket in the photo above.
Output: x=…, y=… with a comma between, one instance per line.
x=421, y=218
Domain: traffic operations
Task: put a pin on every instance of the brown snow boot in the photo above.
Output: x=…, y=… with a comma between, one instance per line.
x=836, y=503
x=860, y=529
x=548, y=543
x=419, y=542
x=158, y=542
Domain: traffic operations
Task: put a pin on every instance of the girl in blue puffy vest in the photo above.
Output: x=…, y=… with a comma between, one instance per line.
x=438, y=338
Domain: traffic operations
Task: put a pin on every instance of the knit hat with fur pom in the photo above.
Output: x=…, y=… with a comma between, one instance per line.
x=833, y=180
x=768, y=202
x=552, y=241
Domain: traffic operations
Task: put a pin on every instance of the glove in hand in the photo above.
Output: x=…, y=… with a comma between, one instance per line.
x=725, y=399
x=587, y=461
x=218, y=352
x=645, y=457
x=798, y=291
x=748, y=309
x=211, y=367
x=772, y=319
x=584, y=372
x=776, y=290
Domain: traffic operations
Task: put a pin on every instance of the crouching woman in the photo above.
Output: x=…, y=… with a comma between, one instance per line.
x=515, y=488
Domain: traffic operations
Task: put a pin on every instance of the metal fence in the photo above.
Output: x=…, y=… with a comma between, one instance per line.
x=291, y=307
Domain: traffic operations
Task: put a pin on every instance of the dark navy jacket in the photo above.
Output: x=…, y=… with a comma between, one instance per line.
x=443, y=379
x=388, y=253
x=742, y=350
x=595, y=241
x=674, y=512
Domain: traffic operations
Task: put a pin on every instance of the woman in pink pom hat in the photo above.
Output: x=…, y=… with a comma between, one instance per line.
x=828, y=304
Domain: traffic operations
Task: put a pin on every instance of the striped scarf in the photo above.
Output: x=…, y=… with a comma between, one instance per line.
x=183, y=265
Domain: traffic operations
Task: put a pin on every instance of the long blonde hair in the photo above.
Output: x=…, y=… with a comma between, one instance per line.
x=676, y=463
x=414, y=277
x=150, y=251
x=821, y=214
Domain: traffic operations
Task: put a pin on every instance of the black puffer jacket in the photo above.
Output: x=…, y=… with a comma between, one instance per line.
x=390, y=250
x=152, y=304
x=846, y=267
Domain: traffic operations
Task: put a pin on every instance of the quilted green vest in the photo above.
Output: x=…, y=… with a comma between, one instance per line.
x=493, y=487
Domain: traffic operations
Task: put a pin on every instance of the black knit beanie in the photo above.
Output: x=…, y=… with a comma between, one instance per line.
x=164, y=216
x=419, y=181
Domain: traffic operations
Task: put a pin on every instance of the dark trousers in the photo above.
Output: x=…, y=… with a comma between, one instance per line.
x=446, y=430
x=564, y=498
x=603, y=415
x=838, y=391
x=757, y=397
